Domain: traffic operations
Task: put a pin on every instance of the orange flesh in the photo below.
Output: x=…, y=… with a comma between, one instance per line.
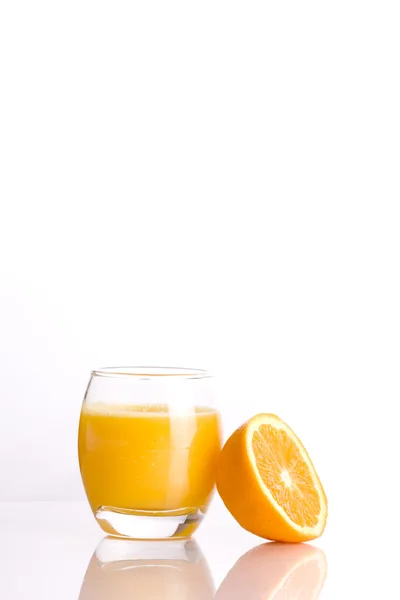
x=286, y=475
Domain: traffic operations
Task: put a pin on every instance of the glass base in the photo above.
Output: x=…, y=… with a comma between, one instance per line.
x=149, y=525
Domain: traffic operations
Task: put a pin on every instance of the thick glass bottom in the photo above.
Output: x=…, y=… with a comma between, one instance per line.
x=149, y=525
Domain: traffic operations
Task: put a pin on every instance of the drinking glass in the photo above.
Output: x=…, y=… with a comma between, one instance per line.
x=149, y=440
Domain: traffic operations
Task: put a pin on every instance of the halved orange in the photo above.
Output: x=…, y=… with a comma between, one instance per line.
x=269, y=484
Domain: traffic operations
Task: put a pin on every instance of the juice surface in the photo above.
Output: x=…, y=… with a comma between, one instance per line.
x=148, y=457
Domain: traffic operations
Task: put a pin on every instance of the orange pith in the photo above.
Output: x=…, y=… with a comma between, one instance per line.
x=269, y=484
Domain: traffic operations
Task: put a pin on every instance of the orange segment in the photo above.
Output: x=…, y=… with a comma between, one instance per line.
x=269, y=484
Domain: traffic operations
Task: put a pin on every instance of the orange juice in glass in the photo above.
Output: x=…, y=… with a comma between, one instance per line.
x=149, y=440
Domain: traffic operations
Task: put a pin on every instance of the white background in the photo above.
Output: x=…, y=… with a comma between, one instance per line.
x=209, y=184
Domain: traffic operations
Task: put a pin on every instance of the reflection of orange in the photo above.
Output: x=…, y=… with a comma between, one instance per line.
x=269, y=484
x=276, y=572
x=174, y=572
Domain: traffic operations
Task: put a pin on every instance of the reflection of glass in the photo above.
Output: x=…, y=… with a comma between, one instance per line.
x=149, y=439
x=276, y=571
x=127, y=569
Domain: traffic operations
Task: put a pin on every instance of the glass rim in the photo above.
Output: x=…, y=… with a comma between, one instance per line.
x=151, y=372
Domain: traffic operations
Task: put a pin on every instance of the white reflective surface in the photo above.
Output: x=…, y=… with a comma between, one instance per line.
x=56, y=551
